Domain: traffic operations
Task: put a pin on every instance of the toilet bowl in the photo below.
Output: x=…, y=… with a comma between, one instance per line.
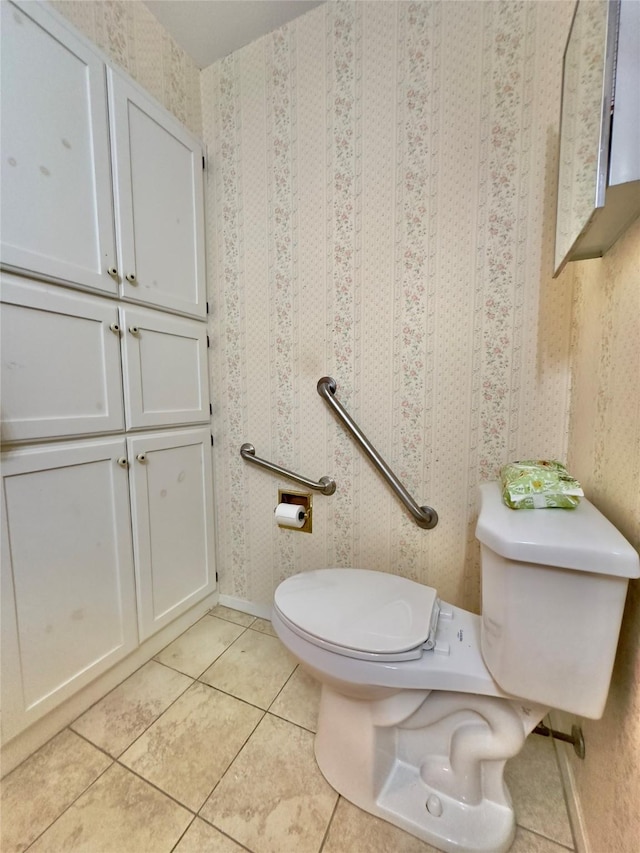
x=422, y=703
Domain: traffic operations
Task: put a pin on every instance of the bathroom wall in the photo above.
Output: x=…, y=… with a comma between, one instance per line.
x=604, y=452
x=381, y=210
x=132, y=37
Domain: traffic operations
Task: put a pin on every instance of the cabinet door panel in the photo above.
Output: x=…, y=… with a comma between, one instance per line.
x=172, y=507
x=165, y=369
x=57, y=208
x=159, y=203
x=61, y=372
x=68, y=594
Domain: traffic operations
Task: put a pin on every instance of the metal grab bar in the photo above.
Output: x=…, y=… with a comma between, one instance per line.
x=424, y=516
x=325, y=485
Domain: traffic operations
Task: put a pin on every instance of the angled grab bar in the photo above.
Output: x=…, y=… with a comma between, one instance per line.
x=325, y=485
x=424, y=516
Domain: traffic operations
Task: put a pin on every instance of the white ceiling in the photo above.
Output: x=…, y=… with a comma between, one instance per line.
x=211, y=29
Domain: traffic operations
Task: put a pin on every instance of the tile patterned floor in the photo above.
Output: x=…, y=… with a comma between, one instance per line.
x=209, y=747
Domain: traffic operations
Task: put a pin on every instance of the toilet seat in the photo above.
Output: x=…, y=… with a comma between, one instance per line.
x=360, y=613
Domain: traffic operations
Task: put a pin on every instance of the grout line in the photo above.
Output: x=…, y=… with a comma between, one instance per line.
x=82, y=793
x=155, y=720
x=156, y=787
x=210, y=664
x=187, y=828
x=326, y=832
x=230, y=765
x=225, y=834
x=231, y=695
x=91, y=743
x=291, y=722
x=545, y=837
x=226, y=618
x=283, y=686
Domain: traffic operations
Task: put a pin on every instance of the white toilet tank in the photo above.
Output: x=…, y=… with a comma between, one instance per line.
x=554, y=583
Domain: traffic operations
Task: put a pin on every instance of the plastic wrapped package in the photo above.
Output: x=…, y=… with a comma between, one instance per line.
x=539, y=484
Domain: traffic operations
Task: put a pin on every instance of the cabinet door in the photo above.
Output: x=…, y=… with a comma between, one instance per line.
x=68, y=591
x=57, y=208
x=172, y=508
x=165, y=374
x=60, y=355
x=159, y=203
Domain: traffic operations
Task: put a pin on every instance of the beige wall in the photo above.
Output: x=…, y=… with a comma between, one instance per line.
x=604, y=453
x=382, y=211
x=130, y=35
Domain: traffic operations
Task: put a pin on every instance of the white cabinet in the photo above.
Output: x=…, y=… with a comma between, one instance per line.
x=57, y=213
x=158, y=180
x=165, y=369
x=62, y=374
x=104, y=540
x=60, y=362
x=172, y=504
x=59, y=203
x=68, y=595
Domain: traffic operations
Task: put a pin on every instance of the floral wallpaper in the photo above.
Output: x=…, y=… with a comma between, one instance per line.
x=130, y=35
x=604, y=452
x=381, y=208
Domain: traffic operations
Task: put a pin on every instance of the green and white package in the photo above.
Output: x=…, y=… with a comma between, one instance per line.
x=539, y=484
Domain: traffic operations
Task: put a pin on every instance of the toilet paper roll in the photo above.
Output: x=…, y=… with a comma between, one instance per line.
x=290, y=515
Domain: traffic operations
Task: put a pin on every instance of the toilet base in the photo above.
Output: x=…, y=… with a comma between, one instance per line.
x=429, y=763
x=405, y=802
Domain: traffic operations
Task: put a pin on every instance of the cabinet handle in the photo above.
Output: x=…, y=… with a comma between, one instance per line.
x=142, y=457
x=122, y=461
x=115, y=328
x=131, y=278
x=135, y=330
x=113, y=272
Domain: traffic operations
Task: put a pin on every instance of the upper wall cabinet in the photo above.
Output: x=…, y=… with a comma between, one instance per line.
x=159, y=203
x=599, y=170
x=57, y=216
x=65, y=185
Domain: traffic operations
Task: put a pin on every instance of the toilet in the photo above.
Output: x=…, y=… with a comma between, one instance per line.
x=422, y=703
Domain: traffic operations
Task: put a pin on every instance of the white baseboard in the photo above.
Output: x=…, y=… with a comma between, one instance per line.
x=262, y=611
x=27, y=742
x=574, y=808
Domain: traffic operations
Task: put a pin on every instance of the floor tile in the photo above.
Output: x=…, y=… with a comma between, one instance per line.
x=230, y=615
x=273, y=798
x=264, y=626
x=188, y=748
x=197, y=648
x=119, y=718
x=529, y=842
x=533, y=779
x=118, y=813
x=254, y=668
x=355, y=831
x=42, y=787
x=201, y=837
x=298, y=700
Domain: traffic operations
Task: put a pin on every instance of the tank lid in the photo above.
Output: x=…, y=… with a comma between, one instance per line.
x=580, y=538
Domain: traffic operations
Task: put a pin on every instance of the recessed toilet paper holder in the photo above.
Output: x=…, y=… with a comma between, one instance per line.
x=301, y=499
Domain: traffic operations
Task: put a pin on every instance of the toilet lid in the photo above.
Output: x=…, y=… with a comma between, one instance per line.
x=358, y=610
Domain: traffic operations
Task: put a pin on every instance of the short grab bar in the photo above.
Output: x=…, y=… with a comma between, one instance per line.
x=424, y=516
x=325, y=485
